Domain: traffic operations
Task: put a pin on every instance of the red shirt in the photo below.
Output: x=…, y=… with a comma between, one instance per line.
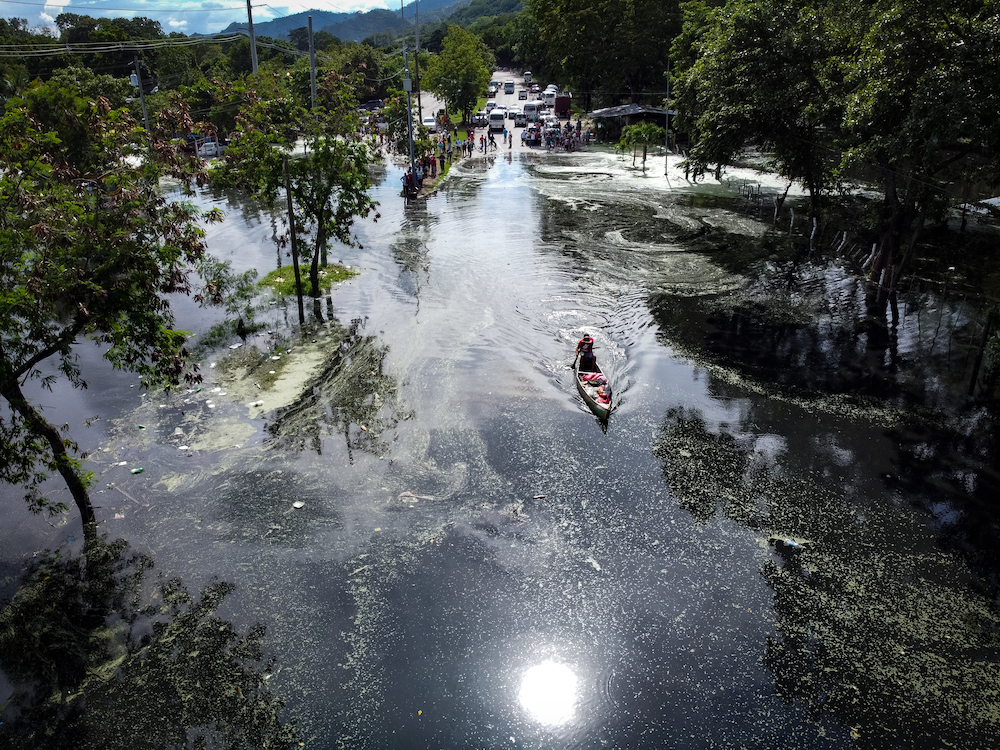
x=585, y=346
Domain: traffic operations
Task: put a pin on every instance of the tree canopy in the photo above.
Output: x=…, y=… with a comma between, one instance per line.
x=89, y=249
x=461, y=73
x=897, y=91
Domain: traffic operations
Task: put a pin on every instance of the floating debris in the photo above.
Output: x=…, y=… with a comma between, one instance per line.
x=138, y=470
x=539, y=497
x=183, y=447
x=237, y=345
x=298, y=504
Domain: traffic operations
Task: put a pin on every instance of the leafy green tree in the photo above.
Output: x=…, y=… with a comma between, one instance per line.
x=377, y=77
x=765, y=74
x=616, y=47
x=897, y=91
x=643, y=134
x=461, y=73
x=329, y=184
x=89, y=249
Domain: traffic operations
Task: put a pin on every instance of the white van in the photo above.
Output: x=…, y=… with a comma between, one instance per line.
x=498, y=120
x=527, y=76
x=549, y=97
x=508, y=87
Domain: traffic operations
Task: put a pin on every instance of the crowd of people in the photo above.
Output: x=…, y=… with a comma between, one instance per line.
x=448, y=144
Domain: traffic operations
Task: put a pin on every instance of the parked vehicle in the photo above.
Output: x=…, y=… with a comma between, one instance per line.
x=563, y=104
x=533, y=110
x=497, y=120
x=431, y=124
x=209, y=149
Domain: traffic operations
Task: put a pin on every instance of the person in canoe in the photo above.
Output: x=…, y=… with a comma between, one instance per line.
x=585, y=351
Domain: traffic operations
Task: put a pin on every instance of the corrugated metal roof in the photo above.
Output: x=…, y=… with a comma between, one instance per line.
x=625, y=110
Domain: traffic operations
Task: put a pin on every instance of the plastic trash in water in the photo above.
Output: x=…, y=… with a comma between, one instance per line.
x=257, y=403
x=237, y=345
x=298, y=504
x=141, y=426
x=137, y=471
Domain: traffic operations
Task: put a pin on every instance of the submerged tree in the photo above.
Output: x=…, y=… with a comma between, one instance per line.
x=100, y=660
x=89, y=250
x=898, y=92
x=328, y=183
x=643, y=134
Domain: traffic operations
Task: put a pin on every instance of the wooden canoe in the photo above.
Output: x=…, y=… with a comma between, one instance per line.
x=589, y=393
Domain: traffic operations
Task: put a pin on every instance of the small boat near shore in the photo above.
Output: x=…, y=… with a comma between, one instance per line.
x=589, y=385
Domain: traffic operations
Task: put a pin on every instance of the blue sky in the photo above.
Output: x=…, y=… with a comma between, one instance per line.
x=185, y=16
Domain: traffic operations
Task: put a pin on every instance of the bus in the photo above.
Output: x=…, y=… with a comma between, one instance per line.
x=508, y=87
x=533, y=109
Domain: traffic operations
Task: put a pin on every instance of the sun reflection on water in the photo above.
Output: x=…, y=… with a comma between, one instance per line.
x=548, y=693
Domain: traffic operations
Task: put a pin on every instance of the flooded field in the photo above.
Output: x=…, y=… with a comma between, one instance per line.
x=411, y=531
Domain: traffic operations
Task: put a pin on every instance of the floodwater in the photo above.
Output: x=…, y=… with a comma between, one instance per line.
x=783, y=537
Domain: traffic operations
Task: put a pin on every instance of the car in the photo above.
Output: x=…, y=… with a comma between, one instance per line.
x=209, y=149
x=490, y=106
x=481, y=119
x=522, y=94
x=513, y=112
x=431, y=124
x=371, y=106
x=520, y=120
x=535, y=88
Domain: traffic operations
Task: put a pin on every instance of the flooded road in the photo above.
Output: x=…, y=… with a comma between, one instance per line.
x=774, y=543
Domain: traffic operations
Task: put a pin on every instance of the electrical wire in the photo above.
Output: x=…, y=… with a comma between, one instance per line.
x=92, y=48
x=135, y=10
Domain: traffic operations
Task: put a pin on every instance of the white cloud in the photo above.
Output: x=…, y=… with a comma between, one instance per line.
x=175, y=24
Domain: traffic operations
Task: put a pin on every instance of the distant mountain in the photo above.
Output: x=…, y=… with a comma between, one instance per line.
x=352, y=26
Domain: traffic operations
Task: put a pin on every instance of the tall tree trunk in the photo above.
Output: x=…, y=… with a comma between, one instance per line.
x=318, y=252
x=295, y=244
x=60, y=457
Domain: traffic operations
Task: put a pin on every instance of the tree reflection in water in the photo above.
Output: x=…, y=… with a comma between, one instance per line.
x=876, y=626
x=100, y=660
x=351, y=395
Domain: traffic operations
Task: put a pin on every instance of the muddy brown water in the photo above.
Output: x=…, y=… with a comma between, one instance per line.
x=785, y=536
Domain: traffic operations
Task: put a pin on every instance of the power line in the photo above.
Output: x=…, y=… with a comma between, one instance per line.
x=134, y=10
x=91, y=48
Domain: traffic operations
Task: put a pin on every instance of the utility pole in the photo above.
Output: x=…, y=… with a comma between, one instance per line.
x=666, y=145
x=312, y=63
x=142, y=94
x=416, y=59
x=253, y=41
x=407, y=87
